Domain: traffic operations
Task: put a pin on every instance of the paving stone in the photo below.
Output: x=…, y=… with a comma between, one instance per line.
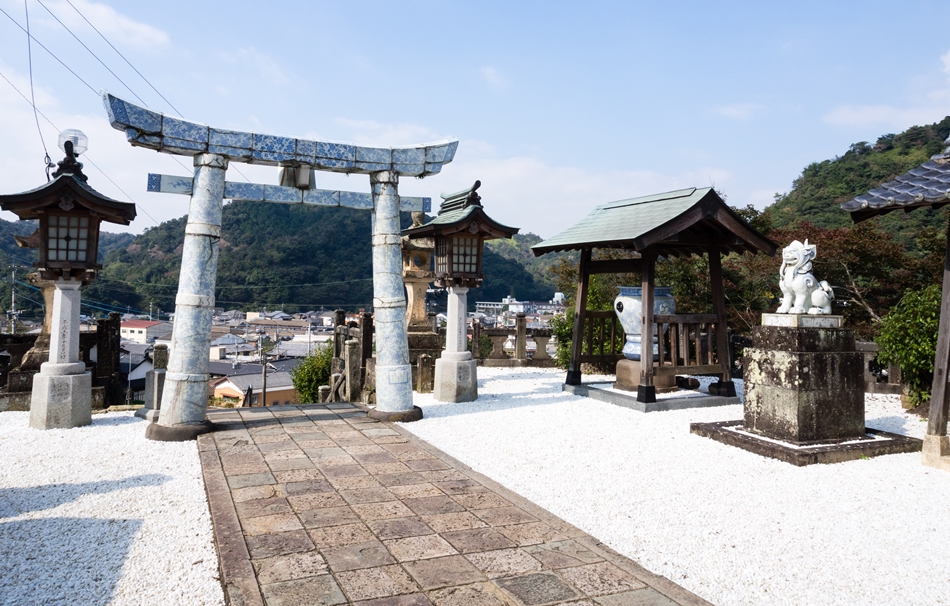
x=400, y=479
x=367, y=495
x=504, y=562
x=247, y=469
x=284, y=444
x=334, y=461
x=280, y=543
x=324, y=453
x=382, y=511
x=381, y=582
x=254, y=492
x=290, y=567
x=330, y=516
x=269, y=524
x=538, y=588
x=504, y=516
x=306, y=487
x=426, y=464
x=367, y=449
x=531, y=533
x=640, y=597
x=306, y=444
x=251, y=479
x=342, y=471
x=454, y=487
x=481, y=500
x=477, y=539
x=356, y=440
x=283, y=455
x=354, y=482
x=285, y=464
x=245, y=458
x=414, y=599
x=443, y=572
x=602, y=578
x=312, y=591
x=444, y=475
x=562, y=554
x=391, y=440
x=298, y=475
x=404, y=452
x=386, y=468
x=379, y=432
x=359, y=555
x=345, y=534
x=478, y=594
x=449, y=522
x=398, y=528
x=317, y=500
x=410, y=491
x=263, y=507
x=419, y=548
x=271, y=437
x=433, y=505
x=373, y=458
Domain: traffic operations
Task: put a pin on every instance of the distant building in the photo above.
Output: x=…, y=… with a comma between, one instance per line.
x=280, y=389
x=144, y=331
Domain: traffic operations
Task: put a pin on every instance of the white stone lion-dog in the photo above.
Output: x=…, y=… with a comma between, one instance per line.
x=799, y=285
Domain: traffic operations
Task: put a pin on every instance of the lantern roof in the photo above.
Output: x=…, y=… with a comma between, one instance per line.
x=30, y=204
x=458, y=211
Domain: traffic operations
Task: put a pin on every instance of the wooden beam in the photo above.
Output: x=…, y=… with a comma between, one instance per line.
x=646, y=392
x=580, y=307
x=719, y=307
x=614, y=266
x=939, y=403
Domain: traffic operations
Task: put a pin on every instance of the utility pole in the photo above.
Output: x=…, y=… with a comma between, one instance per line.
x=260, y=338
x=149, y=311
x=13, y=301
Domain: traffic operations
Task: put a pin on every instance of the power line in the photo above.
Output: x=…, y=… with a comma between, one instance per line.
x=124, y=59
x=85, y=156
x=90, y=51
x=15, y=22
x=29, y=55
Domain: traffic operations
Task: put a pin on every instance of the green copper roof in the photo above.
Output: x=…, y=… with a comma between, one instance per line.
x=675, y=222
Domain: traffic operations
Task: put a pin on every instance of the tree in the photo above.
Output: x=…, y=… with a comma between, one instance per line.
x=311, y=373
x=908, y=337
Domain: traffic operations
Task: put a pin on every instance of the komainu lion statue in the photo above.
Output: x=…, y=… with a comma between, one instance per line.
x=800, y=289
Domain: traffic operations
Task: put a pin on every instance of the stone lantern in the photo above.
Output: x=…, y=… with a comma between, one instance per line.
x=69, y=212
x=459, y=230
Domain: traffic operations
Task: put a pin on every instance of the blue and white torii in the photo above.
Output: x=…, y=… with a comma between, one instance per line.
x=184, y=400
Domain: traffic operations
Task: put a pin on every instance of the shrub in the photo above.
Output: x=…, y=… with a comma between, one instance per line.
x=908, y=338
x=311, y=373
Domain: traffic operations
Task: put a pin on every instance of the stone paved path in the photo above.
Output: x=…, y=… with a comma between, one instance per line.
x=317, y=505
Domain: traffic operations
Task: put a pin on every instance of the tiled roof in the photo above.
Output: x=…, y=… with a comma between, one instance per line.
x=926, y=185
x=275, y=380
x=140, y=324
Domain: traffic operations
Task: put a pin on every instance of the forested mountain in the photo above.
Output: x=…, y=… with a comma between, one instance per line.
x=278, y=256
x=816, y=194
x=518, y=249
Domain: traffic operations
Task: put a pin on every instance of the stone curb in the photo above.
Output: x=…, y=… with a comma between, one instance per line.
x=234, y=561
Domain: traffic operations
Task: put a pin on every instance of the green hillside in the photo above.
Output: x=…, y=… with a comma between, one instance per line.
x=277, y=256
x=816, y=194
x=518, y=249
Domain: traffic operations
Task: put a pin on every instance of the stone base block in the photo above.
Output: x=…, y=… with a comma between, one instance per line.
x=403, y=416
x=802, y=320
x=872, y=444
x=455, y=380
x=628, y=378
x=61, y=401
x=600, y=391
x=177, y=433
x=936, y=452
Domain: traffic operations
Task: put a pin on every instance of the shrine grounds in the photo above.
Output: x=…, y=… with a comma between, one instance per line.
x=100, y=515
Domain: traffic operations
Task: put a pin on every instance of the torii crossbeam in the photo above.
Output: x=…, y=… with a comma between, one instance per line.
x=184, y=400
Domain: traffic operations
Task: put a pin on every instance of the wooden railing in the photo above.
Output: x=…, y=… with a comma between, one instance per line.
x=603, y=338
x=687, y=345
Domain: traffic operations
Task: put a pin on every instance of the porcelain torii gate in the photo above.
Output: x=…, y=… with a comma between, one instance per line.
x=184, y=401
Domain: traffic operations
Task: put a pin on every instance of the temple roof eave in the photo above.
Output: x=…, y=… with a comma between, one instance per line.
x=27, y=205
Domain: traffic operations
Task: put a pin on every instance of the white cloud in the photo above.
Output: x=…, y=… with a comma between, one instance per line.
x=739, y=111
x=370, y=132
x=268, y=68
x=119, y=29
x=494, y=77
x=930, y=107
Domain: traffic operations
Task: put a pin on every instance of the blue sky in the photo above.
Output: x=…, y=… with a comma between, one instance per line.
x=558, y=106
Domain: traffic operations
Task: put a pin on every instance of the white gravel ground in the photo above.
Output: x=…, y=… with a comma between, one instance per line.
x=733, y=527
x=100, y=515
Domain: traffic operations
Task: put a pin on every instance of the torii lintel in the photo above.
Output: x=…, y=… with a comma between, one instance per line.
x=153, y=130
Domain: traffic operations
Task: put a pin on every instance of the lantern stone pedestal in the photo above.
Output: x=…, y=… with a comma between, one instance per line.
x=62, y=390
x=456, y=377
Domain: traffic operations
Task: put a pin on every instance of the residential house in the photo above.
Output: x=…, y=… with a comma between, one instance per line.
x=280, y=389
x=144, y=331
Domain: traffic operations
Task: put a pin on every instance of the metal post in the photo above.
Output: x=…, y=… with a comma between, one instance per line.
x=185, y=398
x=393, y=372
